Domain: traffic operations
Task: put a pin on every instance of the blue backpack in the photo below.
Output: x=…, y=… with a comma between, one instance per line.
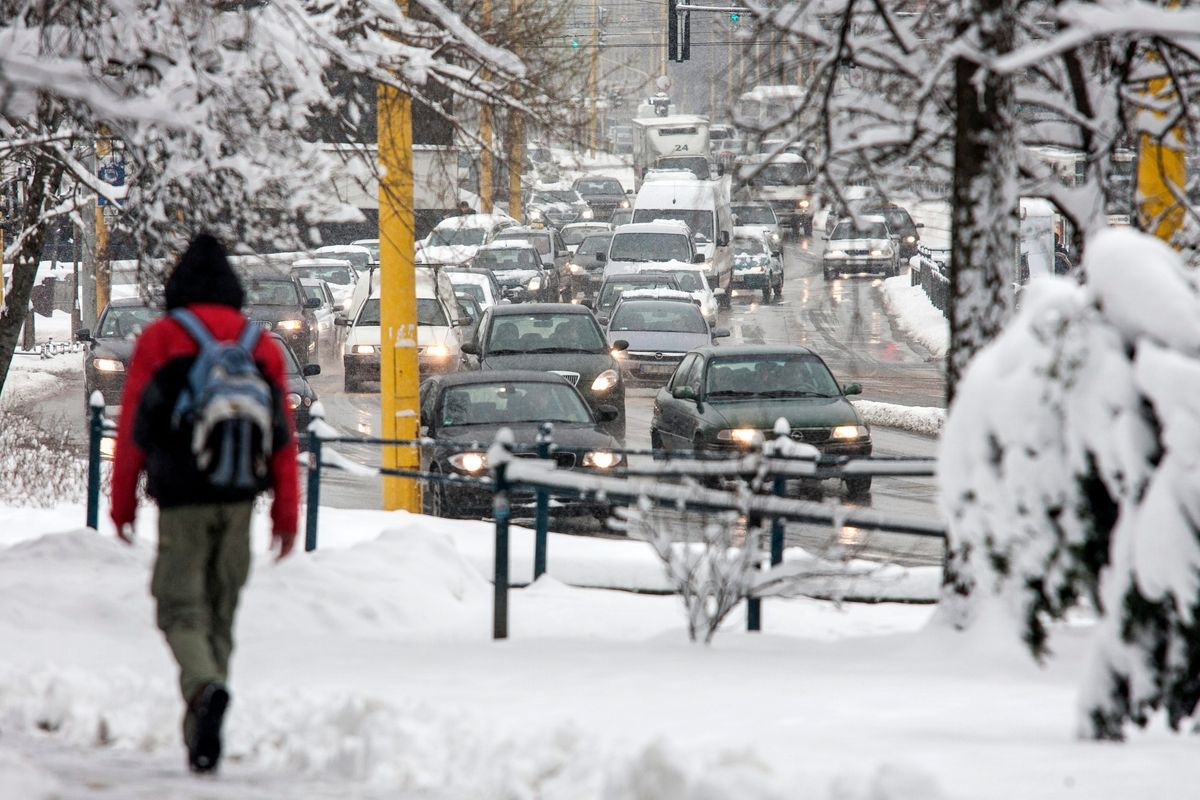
x=227, y=404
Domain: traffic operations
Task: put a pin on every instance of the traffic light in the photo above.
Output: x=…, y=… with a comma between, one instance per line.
x=575, y=42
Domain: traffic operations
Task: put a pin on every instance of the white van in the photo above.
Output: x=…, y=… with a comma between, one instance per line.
x=439, y=343
x=704, y=207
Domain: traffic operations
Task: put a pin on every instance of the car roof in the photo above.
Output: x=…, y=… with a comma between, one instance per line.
x=863, y=217
x=129, y=302
x=473, y=221
x=508, y=233
x=590, y=224
x=657, y=295
x=647, y=276
x=595, y=178
x=755, y=350
x=345, y=248
x=674, y=226
x=521, y=309
x=508, y=244
x=323, y=262
x=500, y=376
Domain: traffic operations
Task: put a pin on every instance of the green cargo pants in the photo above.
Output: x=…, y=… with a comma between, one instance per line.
x=203, y=561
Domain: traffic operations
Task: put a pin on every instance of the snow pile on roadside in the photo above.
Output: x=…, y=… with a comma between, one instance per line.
x=915, y=315
x=926, y=420
x=31, y=377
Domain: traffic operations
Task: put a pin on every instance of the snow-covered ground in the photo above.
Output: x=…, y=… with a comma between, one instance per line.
x=927, y=420
x=914, y=314
x=367, y=670
x=32, y=377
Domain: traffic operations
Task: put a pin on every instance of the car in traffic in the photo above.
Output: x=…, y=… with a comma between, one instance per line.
x=479, y=283
x=748, y=217
x=110, y=346
x=360, y=257
x=603, y=194
x=698, y=166
x=519, y=270
x=755, y=267
x=550, y=246
x=857, y=247
x=339, y=273
x=300, y=395
x=454, y=240
x=727, y=398
x=556, y=205
x=902, y=226
x=616, y=285
x=784, y=182
x=704, y=207
x=660, y=326
x=586, y=266
x=277, y=303
x=687, y=279
x=645, y=245
x=324, y=316
x=576, y=232
x=462, y=413
x=622, y=216
x=553, y=337
x=371, y=245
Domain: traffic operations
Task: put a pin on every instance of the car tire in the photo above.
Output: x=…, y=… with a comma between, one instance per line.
x=433, y=498
x=766, y=294
x=779, y=288
x=656, y=444
x=725, y=301
x=858, y=487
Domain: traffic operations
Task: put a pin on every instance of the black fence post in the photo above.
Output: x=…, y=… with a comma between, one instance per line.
x=501, y=510
x=313, y=498
x=545, y=439
x=780, y=489
x=95, y=434
x=754, y=604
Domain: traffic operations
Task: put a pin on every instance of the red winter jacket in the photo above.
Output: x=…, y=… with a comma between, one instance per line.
x=146, y=440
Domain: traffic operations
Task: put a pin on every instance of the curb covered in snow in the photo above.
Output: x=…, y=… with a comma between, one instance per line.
x=927, y=420
x=914, y=314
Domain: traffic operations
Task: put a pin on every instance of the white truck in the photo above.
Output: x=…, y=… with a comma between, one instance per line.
x=671, y=138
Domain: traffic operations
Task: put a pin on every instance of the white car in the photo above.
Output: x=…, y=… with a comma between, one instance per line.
x=691, y=280
x=651, y=245
x=480, y=286
x=454, y=240
x=866, y=247
x=751, y=217
x=340, y=274
x=360, y=257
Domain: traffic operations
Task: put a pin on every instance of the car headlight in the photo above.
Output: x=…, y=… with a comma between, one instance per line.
x=881, y=251
x=535, y=213
x=535, y=283
x=469, y=462
x=605, y=380
x=601, y=459
x=293, y=400
x=437, y=351
x=802, y=203
x=290, y=324
x=851, y=432
x=108, y=365
x=587, y=214
x=738, y=435
x=774, y=238
x=836, y=254
x=364, y=349
x=624, y=204
x=910, y=239
x=577, y=269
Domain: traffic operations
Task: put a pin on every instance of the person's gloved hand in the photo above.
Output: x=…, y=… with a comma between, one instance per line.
x=284, y=542
x=126, y=533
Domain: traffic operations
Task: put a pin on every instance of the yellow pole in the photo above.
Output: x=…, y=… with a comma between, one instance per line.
x=486, y=184
x=1161, y=168
x=399, y=376
x=102, y=266
x=516, y=134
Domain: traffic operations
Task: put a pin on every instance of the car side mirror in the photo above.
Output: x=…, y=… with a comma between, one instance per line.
x=620, y=344
x=723, y=239
x=470, y=348
x=852, y=388
x=698, y=258
x=920, y=224
x=607, y=413
x=719, y=292
x=83, y=335
x=341, y=322
x=587, y=302
x=312, y=302
x=683, y=393
x=309, y=370
x=461, y=322
x=720, y=333
x=601, y=257
x=603, y=319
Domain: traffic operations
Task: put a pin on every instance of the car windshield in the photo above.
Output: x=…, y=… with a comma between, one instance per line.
x=429, y=312
x=271, y=293
x=592, y=245
x=578, y=234
x=610, y=186
x=501, y=259
x=697, y=165
x=897, y=218
x=311, y=292
x=755, y=215
x=507, y=403
x=358, y=259
x=745, y=245
x=784, y=375
x=539, y=240
x=545, y=333
x=650, y=247
x=658, y=315
x=472, y=290
x=335, y=276
x=556, y=196
x=468, y=306
x=869, y=230
x=792, y=173
x=459, y=237
x=697, y=219
x=612, y=290
x=125, y=322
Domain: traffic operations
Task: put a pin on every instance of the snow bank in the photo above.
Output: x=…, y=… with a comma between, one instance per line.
x=914, y=314
x=927, y=420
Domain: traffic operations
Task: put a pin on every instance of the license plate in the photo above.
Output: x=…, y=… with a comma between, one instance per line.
x=658, y=369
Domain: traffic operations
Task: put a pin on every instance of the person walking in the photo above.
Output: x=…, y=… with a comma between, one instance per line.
x=203, y=414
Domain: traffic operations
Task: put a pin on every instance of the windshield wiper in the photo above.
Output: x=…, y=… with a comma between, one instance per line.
x=561, y=350
x=732, y=393
x=506, y=352
x=790, y=393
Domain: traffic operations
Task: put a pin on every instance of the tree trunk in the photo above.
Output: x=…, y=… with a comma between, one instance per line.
x=983, y=238
x=47, y=176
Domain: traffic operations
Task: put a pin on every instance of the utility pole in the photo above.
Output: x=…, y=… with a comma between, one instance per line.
x=515, y=135
x=1161, y=165
x=104, y=150
x=486, y=162
x=399, y=376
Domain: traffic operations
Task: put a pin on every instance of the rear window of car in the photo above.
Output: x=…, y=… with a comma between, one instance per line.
x=539, y=240
x=271, y=293
x=531, y=333
x=650, y=315
x=429, y=312
x=869, y=230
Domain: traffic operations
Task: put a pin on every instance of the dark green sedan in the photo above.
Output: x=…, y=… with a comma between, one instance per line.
x=721, y=398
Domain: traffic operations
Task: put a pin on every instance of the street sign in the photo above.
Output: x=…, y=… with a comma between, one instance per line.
x=110, y=169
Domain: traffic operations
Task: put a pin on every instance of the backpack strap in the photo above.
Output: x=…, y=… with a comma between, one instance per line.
x=195, y=328
x=248, y=339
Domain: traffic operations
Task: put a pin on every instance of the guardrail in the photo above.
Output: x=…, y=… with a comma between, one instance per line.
x=930, y=274
x=765, y=468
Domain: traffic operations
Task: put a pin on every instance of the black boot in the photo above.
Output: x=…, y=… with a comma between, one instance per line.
x=204, y=750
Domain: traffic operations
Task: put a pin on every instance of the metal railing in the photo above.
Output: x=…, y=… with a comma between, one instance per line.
x=930, y=274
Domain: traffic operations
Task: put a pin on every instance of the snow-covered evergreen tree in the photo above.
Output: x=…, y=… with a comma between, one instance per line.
x=1067, y=471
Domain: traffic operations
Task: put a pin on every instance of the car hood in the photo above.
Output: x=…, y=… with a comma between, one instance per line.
x=565, y=434
x=800, y=412
x=588, y=365
x=856, y=244
x=513, y=277
x=755, y=230
x=273, y=314
x=781, y=192
x=660, y=341
x=120, y=349
x=426, y=335
x=446, y=254
x=604, y=198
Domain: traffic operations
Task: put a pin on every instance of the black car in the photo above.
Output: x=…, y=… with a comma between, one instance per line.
x=461, y=413
x=519, y=271
x=902, y=227
x=277, y=303
x=110, y=346
x=301, y=395
x=605, y=195
x=615, y=285
x=557, y=338
x=586, y=266
x=622, y=216
x=723, y=398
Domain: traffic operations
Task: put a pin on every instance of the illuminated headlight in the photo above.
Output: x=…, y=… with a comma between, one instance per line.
x=773, y=237
x=617, y=354
x=293, y=400
x=601, y=459
x=469, y=462
x=836, y=254
x=879, y=253
x=910, y=239
x=738, y=435
x=755, y=270
x=535, y=213
x=437, y=351
x=605, y=380
x=108, y=365
x=290, y=324
x=577, y=269
x=535, y=283
x=364, y=349
x=802, y=203
x=587, y=214
x=845, y=432
x=624, y=204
